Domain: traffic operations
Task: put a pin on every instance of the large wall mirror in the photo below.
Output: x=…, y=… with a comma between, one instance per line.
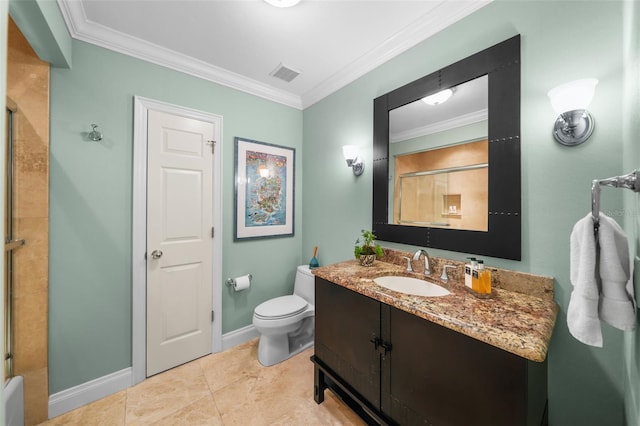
x=446, y=170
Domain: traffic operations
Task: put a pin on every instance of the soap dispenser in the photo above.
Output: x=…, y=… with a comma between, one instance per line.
x=475, y=276
x=468, y=272
x=484, y=279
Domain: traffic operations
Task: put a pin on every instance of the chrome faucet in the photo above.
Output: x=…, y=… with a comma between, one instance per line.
x=416, y=256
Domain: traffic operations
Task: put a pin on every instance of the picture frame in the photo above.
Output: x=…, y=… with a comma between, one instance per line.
x=264, y=190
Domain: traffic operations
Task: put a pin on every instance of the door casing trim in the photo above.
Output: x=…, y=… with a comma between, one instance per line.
x=139, y=228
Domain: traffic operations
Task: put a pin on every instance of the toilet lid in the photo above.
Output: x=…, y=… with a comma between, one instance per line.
x=281, y=307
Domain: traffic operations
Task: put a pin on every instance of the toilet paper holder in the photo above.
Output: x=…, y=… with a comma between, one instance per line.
x=231, y=281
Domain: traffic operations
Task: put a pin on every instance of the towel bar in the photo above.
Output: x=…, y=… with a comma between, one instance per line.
x=629, y=181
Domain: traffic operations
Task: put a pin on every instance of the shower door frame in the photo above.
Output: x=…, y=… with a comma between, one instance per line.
x=10, y=110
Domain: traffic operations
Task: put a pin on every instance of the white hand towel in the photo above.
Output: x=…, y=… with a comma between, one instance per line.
x=582, y=313
x=617, y=304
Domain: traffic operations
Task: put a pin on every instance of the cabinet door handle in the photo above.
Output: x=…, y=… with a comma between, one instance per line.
x=376, y=342
x=380, y=345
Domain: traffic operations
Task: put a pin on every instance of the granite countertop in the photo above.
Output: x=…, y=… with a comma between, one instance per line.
x=510, y=320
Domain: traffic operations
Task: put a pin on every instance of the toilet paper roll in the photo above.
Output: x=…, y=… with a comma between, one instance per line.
x=242, y=283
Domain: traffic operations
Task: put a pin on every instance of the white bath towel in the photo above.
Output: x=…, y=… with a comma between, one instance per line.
x=582, y=313
x=601, y=278
x=617, y=303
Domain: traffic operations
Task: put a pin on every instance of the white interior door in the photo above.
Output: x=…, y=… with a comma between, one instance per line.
x=179, y=240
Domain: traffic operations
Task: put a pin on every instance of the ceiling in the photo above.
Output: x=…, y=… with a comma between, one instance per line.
x=469, y=104
x=239, y=43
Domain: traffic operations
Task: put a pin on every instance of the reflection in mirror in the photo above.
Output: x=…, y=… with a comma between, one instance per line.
x=445, y=187
x=439, y=160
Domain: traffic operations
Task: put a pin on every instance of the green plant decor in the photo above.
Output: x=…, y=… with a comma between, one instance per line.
x=367, y=246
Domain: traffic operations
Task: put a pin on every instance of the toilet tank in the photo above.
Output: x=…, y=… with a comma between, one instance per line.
x=304, y=285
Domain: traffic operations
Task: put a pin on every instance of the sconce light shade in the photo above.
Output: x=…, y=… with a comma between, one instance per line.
x=350, y=153
x=574, y=124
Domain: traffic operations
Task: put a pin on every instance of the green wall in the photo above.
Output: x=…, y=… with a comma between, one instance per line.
x=41, y=22
x=91, y=205
x=586, y=385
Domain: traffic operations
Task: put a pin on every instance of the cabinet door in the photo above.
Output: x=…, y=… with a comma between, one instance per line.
x=345, y=324
x=443, y=378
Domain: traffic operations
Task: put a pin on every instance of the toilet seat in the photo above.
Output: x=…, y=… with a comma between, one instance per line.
x=281, y=307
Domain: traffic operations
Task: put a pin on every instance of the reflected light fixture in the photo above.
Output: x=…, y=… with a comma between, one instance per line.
x=574, y=124
x=438, y=98
x=350, y=153
x=282, y=3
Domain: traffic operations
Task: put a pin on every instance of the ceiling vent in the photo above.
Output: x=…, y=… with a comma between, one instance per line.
x=284, y=73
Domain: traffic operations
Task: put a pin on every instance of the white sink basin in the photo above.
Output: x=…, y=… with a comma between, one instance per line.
x=411, y=285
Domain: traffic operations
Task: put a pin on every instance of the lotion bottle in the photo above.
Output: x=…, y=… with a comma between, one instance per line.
x=484, y=276
x=475, y=276
x=468, y=271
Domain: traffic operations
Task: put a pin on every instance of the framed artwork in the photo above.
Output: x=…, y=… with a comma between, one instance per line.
x=264, y=193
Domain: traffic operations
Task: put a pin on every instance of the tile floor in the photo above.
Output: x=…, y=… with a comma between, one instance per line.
x=227, y=388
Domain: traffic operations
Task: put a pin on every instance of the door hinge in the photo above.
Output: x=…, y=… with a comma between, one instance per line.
x=213, y=146
x=212, y=316
x=213, y=232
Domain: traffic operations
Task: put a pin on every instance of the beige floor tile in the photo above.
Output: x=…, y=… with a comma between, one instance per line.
x=226, y=367
x=309, y=413
x=280, y=394
x=202, y=412
x=108, y=411
x=224, y=389
x=164, y=394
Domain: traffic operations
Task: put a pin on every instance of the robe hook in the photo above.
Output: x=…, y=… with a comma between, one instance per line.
x=95, y=135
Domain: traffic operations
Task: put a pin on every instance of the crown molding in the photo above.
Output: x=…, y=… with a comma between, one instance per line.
x=441, y=126
x=81, y=28
x=88, y=31
x=439, y=18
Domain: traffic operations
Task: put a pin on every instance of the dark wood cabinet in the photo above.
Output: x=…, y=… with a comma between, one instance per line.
x=344, y=328
x=396, y=368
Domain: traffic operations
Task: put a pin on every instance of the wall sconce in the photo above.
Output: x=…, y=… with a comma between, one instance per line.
x=570, y=101
x=350, y=153
x=94, y=134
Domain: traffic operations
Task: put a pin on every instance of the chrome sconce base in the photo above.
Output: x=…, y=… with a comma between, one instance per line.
x=573, y=127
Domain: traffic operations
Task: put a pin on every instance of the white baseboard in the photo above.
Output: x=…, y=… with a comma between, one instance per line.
x=77, y=396
x=239, y=336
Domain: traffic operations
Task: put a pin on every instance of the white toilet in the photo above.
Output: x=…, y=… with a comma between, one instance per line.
x=286, y=323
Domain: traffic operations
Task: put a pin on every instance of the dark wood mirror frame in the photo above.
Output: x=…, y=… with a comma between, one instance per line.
x=503, y=240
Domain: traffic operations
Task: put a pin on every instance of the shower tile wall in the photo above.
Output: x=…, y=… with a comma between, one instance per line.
x=28, y=87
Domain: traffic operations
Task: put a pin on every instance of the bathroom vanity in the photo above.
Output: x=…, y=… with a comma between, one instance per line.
x=451, y=360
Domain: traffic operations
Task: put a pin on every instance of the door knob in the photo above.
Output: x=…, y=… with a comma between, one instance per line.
x=156, y=254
